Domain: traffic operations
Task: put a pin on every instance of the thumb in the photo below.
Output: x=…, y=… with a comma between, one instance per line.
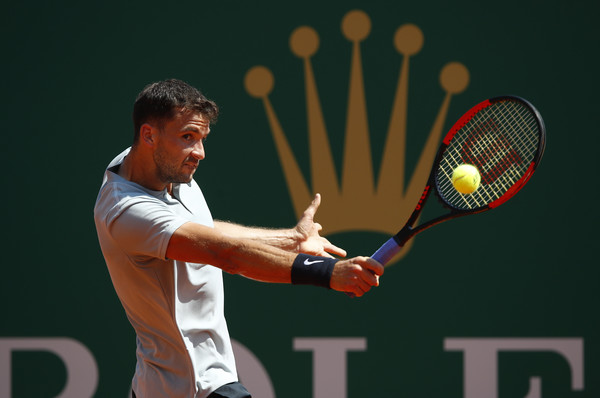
x=314, y=205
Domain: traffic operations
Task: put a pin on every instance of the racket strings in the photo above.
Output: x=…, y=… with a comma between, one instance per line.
x=501, y=140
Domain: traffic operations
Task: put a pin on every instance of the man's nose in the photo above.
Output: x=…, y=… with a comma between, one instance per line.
x=198, y=151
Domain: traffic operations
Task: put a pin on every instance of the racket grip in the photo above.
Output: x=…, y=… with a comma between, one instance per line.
x=387, y=251
x=384, y=254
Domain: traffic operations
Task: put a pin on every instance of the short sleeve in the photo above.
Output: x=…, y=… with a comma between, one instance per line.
x=143, y=227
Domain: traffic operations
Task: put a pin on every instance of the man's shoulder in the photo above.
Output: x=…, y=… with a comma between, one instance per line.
x=120, y=192
x=117, y=194
x=121, y=189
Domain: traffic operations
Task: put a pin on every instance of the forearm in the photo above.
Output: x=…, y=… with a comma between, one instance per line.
x=234, y=253
x=286, y=239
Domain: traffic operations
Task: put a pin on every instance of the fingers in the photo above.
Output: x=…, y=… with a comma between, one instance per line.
x=311, y=210
x=308, y=231
x=356, y=276
x=333, y=249
x=324, y=251
x=374, y=266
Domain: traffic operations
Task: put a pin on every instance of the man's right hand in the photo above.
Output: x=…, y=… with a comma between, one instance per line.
x=356, y=275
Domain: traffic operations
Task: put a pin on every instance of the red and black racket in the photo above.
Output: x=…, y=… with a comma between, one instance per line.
x=504, y=138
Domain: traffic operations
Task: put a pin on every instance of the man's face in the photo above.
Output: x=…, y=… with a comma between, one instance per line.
x=180, y=147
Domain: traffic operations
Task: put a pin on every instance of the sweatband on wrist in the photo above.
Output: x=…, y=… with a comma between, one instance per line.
x=312, y=270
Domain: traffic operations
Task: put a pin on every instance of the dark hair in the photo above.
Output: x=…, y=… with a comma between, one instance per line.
x=158, y=102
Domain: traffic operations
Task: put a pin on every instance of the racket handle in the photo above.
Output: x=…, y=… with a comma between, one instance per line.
x=384, y=254
x=387, y=251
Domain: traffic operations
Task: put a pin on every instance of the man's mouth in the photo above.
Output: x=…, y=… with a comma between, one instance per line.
x=191, y=164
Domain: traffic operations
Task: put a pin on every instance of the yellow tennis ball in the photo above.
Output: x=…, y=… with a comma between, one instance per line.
x=466, y=178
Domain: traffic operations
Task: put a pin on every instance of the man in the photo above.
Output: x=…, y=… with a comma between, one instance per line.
x=165, y=254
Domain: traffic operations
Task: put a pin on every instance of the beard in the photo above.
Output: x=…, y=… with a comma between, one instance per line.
x=170, y=171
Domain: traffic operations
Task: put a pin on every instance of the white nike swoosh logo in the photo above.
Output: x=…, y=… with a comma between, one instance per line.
x=308, y=262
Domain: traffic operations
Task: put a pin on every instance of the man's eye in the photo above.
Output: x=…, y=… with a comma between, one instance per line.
x=187, y=137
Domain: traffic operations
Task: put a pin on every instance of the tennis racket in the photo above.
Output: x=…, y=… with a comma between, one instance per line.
x=504, y=138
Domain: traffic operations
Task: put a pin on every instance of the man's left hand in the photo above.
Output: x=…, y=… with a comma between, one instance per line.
x=310, y=242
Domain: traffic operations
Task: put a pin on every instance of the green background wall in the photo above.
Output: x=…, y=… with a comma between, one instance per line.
x=71, y=71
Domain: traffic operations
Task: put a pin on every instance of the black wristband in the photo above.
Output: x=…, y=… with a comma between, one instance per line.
x=312, y=270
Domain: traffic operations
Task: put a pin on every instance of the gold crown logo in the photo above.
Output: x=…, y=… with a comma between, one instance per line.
x=358, y=202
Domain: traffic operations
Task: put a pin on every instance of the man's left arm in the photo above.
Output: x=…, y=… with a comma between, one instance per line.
x=303, y=238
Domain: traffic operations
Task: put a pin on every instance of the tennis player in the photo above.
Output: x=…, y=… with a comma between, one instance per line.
x=166, y=254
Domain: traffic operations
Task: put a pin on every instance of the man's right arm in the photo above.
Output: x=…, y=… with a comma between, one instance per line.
x=255, y=260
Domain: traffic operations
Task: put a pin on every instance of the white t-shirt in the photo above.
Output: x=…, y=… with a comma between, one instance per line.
x=176, y=308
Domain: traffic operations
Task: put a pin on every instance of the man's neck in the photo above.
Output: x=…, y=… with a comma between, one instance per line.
x=136, y=169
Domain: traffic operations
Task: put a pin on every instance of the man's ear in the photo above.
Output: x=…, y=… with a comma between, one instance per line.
x=147, y=134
